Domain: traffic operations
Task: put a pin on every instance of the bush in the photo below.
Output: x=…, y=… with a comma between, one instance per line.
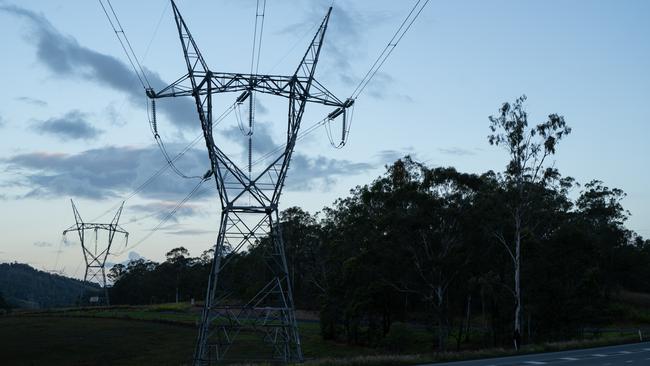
x=399, y=337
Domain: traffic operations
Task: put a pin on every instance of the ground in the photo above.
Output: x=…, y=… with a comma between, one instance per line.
x=165, y=335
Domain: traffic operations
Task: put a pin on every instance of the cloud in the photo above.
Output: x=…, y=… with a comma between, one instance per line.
x=344, y=34
x=192, y=232
x=2, y=122
x=132, y=256
x=458, y=151
x=161, y=209
x=380, y=87
x=70, y=240
x=71, y=126
x=390, y=156
x=32, y=101
x=262, y=139
x=260, y=109
x=307, y=173
x=42, y=244
x=114, y=116
x=107, y=172
x=65, y=57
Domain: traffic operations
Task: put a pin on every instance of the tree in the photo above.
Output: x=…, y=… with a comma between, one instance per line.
x=4, y=305
x=441, y=245
x=528, y=149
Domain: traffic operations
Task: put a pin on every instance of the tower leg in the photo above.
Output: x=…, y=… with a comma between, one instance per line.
x=259, y=325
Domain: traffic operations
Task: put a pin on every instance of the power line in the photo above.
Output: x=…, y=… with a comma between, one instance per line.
x=155, y=32
x=167, y=164
x=165, y=219
x=124, y=42
x=257, y=37
x=394, y=41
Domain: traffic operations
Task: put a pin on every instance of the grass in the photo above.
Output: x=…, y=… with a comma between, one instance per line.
x=165, y=334
x=53, y=341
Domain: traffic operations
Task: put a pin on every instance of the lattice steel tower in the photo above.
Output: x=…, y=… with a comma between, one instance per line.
x=231, y=329
x=95, y=255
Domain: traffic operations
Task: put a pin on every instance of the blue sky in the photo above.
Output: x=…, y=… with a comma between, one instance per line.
x=73, y=122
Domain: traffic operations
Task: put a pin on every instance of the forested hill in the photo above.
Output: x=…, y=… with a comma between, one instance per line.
x=23, y=286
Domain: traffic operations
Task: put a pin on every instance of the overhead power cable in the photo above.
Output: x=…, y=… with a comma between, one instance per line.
x=166, y=218
x=394, y=41
x=155, y=31
x=124, y=42
x=167, y=164
x=257, y=36
x=404, y=27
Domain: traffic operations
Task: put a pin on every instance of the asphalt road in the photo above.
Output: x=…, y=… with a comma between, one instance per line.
x=630, y=354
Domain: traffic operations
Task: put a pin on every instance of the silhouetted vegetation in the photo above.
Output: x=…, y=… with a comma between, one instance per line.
x=457, y=253
x=25, y=287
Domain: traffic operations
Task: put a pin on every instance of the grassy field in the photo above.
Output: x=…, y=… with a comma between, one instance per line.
x=165, y=335
x=152, y=335
x=50, y=340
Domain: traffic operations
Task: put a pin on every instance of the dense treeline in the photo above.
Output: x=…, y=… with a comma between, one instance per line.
x=467, y=255
x=418, y=244
x=23, y=286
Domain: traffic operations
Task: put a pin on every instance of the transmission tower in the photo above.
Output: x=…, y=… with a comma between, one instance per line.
x=95, y=255
x=262, y=327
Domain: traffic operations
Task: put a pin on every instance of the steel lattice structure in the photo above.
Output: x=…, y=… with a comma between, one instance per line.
x=231, y=328
x=95, y=256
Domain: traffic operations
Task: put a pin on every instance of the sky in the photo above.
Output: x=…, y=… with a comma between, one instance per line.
x=74, y=119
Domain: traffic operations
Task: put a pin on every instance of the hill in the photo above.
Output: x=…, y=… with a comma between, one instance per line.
x=23, y=286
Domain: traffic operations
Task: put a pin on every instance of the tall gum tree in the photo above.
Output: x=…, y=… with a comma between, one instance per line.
x=528, y=150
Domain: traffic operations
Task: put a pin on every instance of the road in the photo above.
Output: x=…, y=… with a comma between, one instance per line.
x=625, y=355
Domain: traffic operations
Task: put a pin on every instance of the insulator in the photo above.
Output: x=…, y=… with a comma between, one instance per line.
x=337, y=112
x=243, y=96
x=348, y=103
x=154, y=122
x=343, y=129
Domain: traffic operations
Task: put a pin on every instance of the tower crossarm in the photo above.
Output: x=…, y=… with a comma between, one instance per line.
x=93, y=226
x=224, y=82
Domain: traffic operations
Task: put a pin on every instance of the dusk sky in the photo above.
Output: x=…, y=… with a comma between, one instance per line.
x=74, y=124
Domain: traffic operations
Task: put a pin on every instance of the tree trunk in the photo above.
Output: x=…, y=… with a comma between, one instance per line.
x=442, y=328
x=468, y=313
x=517, y=289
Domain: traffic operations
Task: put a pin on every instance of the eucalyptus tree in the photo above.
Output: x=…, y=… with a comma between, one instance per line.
x=529, y=149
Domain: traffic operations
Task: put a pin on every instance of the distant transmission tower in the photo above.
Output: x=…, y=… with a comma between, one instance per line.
x=262, y=327
x=95, y=255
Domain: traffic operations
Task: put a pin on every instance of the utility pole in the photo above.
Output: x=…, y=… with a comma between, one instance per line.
x=264, y=326
x=95, y=255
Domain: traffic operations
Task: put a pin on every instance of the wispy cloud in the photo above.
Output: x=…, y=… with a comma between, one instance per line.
x=457, y=151
x=306, y=172
x=71, y=126
x=320, y=172
x=390, y=156
x=104, y=172
x=33, y=101
x=43, y=244
x=344, y=38
x=191, y=232
x=161, y=209
x=65, y=57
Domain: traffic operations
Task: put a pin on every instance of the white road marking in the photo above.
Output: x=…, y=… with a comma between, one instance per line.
x=535, y=362
x=599, y=355
x=625, y=352
x=569, y=359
